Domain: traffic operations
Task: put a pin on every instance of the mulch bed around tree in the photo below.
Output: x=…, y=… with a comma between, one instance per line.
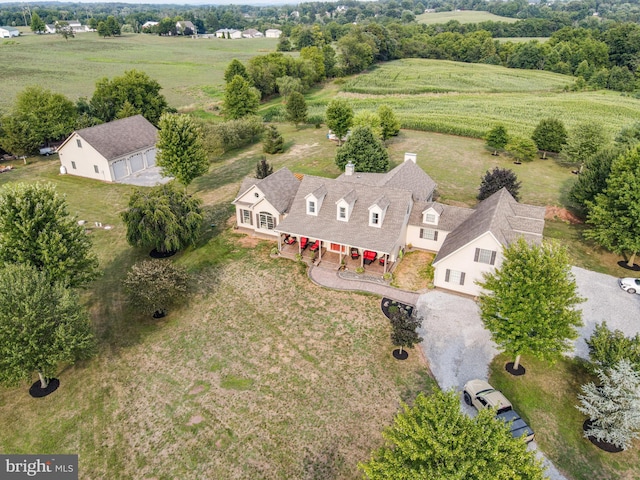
x=36, y=392
x=513, y=371
x=606, y=446
x=387, y=302
x=623, y=264
x=400, y=355
x=156, y=254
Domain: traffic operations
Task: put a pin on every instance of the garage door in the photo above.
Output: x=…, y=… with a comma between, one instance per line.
x=136, y=162
x=119, y=169
x=151, y=158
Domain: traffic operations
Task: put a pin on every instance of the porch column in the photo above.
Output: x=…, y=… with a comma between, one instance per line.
x=386, y=261
x=280, y=242
x=320, y=251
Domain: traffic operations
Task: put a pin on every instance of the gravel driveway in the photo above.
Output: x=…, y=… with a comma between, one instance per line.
x=459, y=348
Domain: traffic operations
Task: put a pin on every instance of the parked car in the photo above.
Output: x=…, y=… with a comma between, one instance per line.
x=481, y=395
x=630, y=285
x=47, y=151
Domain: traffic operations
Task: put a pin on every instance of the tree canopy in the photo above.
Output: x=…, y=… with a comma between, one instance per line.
x=614, y=213
x=263, y=169
x=235, y=67
x=296, y=108
x=365, y=151
x=435, y=440
x=584, y=141
x=162, y=218
x=36, y=229
x=273, y=141
x=403, y=328
x=593, y=178
x=497, y=138
x=528, y=304
x=496, y=179
x=339, y=117
x=240, y=99
x=37, y=24
x=135, y=87
x=522, y=149
x=42, y=325
x=389, y=123
x=180, y=150
x=550, y=135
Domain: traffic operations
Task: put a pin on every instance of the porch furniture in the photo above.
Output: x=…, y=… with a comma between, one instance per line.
x=289, y=240
x=355, y=254
x=369, y=256
x=303, y=242
x=382, y=260
x=315, y=246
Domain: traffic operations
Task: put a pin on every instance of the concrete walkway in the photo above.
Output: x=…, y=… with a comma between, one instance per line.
x=330, y=279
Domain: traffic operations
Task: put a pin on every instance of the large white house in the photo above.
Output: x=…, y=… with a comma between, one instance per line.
x=8, y=32
x=111, y=151
x=378, y=215
x=272, y=33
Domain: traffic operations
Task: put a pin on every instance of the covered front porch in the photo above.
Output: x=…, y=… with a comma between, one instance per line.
x=331, y=255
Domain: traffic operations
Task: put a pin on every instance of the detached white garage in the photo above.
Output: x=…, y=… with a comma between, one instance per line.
x=111, y=151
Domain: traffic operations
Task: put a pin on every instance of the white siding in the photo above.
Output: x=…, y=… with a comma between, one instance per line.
x=413, y=238
x=85, y=158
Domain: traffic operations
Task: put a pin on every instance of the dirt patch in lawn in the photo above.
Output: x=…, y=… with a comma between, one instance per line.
x=414, y=272
x=558, y=213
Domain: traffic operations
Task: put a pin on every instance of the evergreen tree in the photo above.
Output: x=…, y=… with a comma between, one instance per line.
x=180, y=150
x=388, y=122
x=339, y=117
x=365, y=151
x=497, y=139
x=235, y=67
x=296, y=108
x=593, y=178
x=615, y=212
x=435, y=440
x=613, y=407
x=240, y=99
x=263, y=169
x=550, y=135
x=273, y=141
x=497, y=179
x=528, y=304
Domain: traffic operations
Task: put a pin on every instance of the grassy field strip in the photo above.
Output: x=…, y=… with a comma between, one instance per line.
x=462, y=16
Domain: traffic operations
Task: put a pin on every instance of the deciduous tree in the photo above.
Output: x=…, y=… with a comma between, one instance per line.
x=615, y=212
x=584, y=141
x=37, y=24
x=607, y=348
x=339, y=117
x=36, y=229
x=235, y=67
x=154, y=286
x=134, y=87
x=388, y=122
x=42, y=325
x=296, y=108
x=528, y=304
x=593, y=178
x=367, y=118
x=162, y=218
x=496, y=179
x=550, y=135
x=434, y=440
x=240, y=99
x=180, y=151
x=365, y=151
x=613, y=407
x=522, y=149
x=404, y=328
x=497, y=138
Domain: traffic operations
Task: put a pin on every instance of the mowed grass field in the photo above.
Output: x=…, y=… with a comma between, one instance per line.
x=469, y=99
x=189, y=70
x=261, y=375
x=462, y=16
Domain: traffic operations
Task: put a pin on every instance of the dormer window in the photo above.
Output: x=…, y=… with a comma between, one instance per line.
x=342, y=213
x=311, y=207
x=377, y=211
x=344, y=206
x=314, y=200
x=432, y=214
x=375, y=218
x=430, y=217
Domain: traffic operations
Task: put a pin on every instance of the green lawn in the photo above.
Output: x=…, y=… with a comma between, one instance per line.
x=546, y=397
x=462, y=16
x=189, y=71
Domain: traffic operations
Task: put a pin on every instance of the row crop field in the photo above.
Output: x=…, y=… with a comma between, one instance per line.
x=189, y=70
x=462, y=16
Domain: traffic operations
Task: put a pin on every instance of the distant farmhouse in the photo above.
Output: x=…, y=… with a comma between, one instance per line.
x=75, y=26
x=369, y=219
x=252, y=33
x=110, y=151
x=228, y=33
x=186, y=28
x=8, y=32
x=273, y=33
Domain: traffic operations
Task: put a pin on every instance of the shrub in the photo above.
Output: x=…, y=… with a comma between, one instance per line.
x=607, y=348
x=223, y=137
x=155, y=285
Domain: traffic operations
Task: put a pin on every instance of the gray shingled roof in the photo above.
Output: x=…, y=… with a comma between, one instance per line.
x=501, y=215
x=279, y=188
x=450, y=217
x=407, y=176
x=356, y=232
x=120, y=137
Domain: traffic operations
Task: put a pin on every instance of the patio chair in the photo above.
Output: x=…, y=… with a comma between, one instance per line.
x=304, y=241
x=355, y=254
x=290, y=240
x=315, y=246
x=369, y=256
